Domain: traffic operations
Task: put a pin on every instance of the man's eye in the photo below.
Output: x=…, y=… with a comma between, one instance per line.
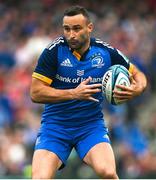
x=77, y=29
x=66, y=29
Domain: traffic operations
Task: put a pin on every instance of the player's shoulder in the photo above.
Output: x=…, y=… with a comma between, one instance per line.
x=115, y=54
x=59, y=41
x=100, y=43
x=104, y=45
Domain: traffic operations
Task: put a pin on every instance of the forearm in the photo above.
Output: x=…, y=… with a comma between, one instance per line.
x=45, y=94
x=41, y=92
x=141, y=81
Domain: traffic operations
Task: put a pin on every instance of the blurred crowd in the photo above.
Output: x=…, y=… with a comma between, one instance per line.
x=26, y=28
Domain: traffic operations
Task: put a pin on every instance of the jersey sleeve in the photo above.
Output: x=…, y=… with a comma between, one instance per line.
x=117, y=57
x=47, y=65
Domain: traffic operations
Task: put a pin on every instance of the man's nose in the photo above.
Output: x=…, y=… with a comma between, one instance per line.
x=72, y=34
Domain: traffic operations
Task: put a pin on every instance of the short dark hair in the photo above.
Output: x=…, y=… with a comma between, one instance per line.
x=75, y=10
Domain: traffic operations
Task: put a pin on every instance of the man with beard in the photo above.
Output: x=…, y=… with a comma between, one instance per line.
x=67, y=79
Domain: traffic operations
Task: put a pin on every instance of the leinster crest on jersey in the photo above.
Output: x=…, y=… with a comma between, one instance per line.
x=97, y=60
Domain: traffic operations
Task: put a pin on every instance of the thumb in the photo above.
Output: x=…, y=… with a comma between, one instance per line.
x=86, y=81
x=132, y=81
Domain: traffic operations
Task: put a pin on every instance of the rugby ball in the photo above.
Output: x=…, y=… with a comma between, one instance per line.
x=115, y=75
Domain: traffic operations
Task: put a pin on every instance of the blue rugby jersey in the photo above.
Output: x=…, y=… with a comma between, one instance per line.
x=63, y=68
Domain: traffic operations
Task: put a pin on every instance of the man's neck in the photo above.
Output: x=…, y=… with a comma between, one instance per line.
x=84, y=48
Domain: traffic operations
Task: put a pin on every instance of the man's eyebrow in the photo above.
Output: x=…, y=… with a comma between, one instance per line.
x=77, y=25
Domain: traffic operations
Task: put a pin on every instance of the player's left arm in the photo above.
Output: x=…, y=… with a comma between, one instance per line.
x=138, y=80
x=138, y=85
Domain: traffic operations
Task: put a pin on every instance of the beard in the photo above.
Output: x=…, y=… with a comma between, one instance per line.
x=77, y=44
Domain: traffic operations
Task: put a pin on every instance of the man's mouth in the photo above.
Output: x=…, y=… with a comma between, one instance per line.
x=73, y=42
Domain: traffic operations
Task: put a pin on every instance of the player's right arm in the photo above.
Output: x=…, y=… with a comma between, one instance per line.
x=41, y=92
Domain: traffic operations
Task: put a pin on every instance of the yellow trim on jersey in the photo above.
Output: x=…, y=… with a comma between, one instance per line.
x=42, y=78
x=78, y=56
x=131, y=67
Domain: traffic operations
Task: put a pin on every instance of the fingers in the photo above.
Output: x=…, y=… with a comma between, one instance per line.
x=86, y=81
x=122, y=87
x=122, y=93
x=92, y=86
x=122, y=96
x=93, y=91
x=86, y=90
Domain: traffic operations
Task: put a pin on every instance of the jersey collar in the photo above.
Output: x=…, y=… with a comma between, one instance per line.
x=76, y=54
x=82, y=57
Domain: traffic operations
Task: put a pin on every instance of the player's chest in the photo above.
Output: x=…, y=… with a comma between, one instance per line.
x=94, y=64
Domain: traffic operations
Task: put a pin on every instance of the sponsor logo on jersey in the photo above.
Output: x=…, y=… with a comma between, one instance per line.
x=77, y=79
x=66, y=63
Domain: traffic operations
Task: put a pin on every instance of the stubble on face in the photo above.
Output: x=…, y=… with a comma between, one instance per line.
x=77, y=32
x=78, y=44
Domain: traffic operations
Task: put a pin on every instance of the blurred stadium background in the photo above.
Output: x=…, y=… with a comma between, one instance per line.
x=26, y=27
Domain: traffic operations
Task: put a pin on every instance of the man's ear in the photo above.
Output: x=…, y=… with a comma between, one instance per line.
x=90, y=27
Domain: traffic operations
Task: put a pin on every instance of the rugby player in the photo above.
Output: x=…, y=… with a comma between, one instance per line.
x=67, y=79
